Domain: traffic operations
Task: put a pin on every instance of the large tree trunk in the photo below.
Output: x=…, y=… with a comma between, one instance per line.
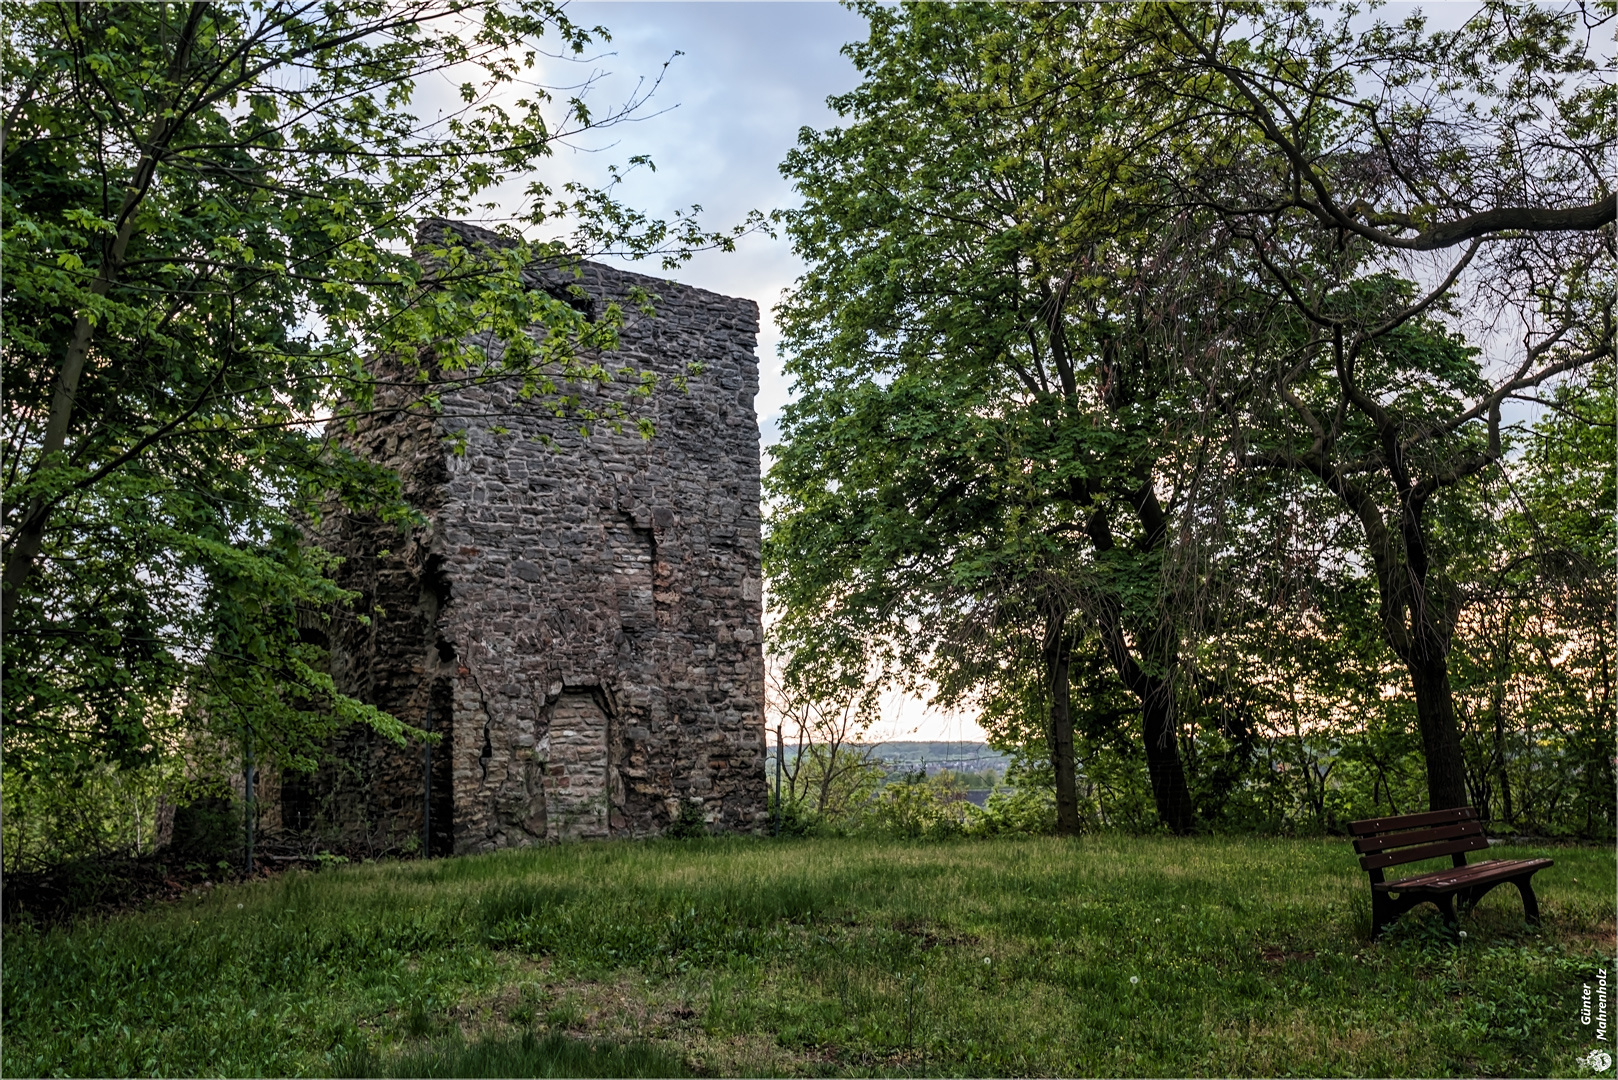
x=1059, y=659
x=1159, y=727
x=1440, y=735
x=1406, y=590
x=1163, y=764
x=1500, y=764
x=1423, y=644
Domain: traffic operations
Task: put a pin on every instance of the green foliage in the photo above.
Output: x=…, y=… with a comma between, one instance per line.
x=1535, y=645
x=915, y=808
x=795, y=818
x=855, y=956
x=1107, y=337
x=208, y=232
x=688, y=823
x=832, y=782
x=820, y=777
x=1020, y=811
x=1383, y=395
x=82, y=809
x=972, y=779
x=986, y=411
x=207, y=828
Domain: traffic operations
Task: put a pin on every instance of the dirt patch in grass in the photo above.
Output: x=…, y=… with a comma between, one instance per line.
x=1582, y=927
x=1275, y=954
x=929, y=935
x=1603, y=938
x=625, y=1006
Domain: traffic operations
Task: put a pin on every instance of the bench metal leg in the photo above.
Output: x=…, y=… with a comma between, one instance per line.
x=1383, y=912
x=1446, y=908
x=1470, y=898
x=1530, y=905
x=1385, y=907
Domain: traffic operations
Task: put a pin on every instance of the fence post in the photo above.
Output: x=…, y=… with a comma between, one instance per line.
x=780, y=765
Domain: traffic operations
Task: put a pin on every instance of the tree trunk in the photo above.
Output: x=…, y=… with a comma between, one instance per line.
x=1158, y=728
x=1163, y=763
x=1059, y=658
x=1440, y=736
x=1497, y=706
x=249, y=804
x=1506, y=816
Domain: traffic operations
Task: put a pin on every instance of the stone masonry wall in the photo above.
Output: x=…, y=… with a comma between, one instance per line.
x=585, y=610
x=388, y=650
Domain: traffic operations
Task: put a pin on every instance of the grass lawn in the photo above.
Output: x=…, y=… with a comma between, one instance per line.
x=1108, y=955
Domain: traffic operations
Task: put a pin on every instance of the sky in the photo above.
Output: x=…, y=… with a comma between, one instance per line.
x=726, y=113
x=728, y=110
x=749, y=76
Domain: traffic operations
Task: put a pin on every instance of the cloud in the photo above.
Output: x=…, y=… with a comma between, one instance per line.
x=728, y=110
x=750, y=76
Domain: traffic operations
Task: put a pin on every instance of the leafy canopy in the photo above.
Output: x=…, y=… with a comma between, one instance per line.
x=207, y=229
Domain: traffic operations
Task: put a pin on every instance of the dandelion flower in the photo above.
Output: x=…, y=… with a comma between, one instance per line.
x=1463, y=933
x=238, y=905
x=985, y=959
x=1133, y=979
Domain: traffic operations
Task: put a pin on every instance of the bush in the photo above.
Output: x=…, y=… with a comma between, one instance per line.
x=689, y=823
x=1024, y=811
x=790, y=818
x=914, y=809
x=207, y=829
x=82, y=809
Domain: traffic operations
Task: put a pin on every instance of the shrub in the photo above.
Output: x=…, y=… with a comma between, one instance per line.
x=796, y=818
x=689, y=823
x=209, y=828
x=913, y=809
x=1024, y=811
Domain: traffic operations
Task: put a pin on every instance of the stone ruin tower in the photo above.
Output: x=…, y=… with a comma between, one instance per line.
x=579, y=622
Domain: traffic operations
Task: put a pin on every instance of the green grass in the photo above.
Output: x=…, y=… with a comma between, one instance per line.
x=823, y=957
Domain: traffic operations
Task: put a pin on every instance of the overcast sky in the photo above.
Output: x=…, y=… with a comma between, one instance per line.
x=728, y=110
x=748, y=76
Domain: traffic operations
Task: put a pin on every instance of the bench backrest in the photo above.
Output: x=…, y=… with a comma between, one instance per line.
x=1390, y=841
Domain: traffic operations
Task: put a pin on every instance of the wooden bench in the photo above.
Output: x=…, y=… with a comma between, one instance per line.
x=1393, y=841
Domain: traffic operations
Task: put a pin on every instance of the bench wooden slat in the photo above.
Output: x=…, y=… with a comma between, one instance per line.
x=1366, y=845
x=1372, y=826
x=1462, y=876
x=1429, y=851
